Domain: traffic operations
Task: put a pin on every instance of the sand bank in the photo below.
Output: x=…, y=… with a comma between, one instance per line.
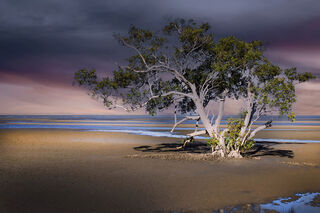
x=72, y=171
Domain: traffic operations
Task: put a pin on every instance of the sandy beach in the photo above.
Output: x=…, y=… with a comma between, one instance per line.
x=74, y=171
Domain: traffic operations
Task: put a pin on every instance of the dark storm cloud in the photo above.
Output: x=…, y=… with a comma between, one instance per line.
x=47, y=40
x=38, y=36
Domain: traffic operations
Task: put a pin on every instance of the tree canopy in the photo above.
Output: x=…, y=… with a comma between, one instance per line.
x=184, y=65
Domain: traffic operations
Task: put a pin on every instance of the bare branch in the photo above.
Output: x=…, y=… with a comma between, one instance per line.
x=221, y=110
x=224, y=132
x=150, y=88
x=151, y=98
x=202, y=132
x=183, y=120
x=254, y=132
x=122, y=107
x=179, y=76
x=211, y=121
x=177, y=28
x=134, y=48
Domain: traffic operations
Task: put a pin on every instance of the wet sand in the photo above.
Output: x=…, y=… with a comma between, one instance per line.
x=72, y=171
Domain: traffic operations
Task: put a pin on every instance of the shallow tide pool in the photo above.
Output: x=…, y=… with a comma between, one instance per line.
x=299, y=203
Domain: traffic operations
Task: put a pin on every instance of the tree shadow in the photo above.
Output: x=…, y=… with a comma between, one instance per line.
x=267, y=149
x=260, y=149
x=194, y=147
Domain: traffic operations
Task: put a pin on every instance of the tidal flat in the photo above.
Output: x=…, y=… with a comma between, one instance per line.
x=65, y=170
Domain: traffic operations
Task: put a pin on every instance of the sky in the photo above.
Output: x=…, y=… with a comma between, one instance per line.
x=43, y=42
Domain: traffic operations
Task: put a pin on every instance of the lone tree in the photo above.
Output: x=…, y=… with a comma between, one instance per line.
x=185, y=66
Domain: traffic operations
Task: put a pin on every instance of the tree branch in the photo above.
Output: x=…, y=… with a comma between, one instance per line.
x=183, y=120
x=202, y=132
x=134, y=48
x=254, y=132
x=221, y=110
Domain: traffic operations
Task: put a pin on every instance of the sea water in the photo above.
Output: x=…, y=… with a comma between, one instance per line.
x=145, y=124
x=300, y=203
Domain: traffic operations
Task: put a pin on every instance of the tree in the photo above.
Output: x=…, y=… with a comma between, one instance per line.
x=186, y=67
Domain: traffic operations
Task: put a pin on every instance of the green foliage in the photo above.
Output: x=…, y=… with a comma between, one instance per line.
x=247, y=145
x=212, y=141
x=243, y=114
x=183, y=46
x=276, y=87
x=180, y=43
x=84, y=77
x=292, y=116
x=184, y=65
x=232, y=139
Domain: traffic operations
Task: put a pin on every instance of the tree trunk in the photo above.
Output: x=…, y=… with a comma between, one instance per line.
x=204, y=117
x=221, y=152
x=213, y=131
x=234, y=154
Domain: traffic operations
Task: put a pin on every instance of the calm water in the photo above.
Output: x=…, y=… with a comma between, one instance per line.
x=135, y=124
x=300, y=203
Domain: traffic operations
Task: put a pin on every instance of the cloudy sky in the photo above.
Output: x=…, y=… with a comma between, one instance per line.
x=43, y=42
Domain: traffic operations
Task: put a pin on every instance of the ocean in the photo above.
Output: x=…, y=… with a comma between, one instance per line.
x=308, y=127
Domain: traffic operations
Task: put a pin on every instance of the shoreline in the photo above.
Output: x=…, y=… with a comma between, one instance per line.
x=284, y=136
x=37, y=167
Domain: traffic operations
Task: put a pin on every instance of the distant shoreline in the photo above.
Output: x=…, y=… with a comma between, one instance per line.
x=302, y=131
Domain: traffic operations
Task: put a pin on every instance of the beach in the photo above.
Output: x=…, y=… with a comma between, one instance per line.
x=56, y=170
